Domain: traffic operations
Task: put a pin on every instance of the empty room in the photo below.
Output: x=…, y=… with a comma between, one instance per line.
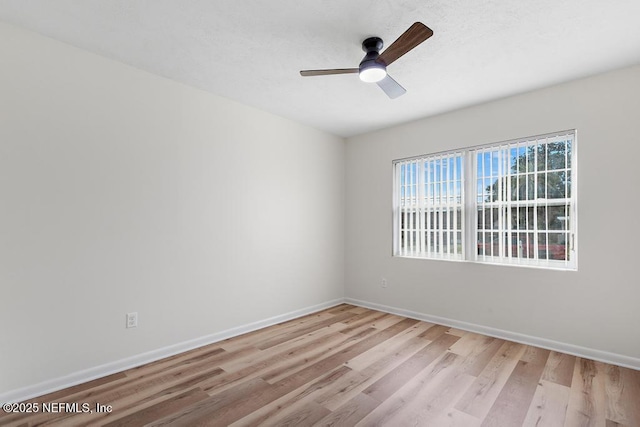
x=319, y=213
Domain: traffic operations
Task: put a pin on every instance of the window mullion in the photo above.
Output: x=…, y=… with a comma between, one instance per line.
x=420, y=208
x=414, y=208
x=534, y=226
x=440, y=219
x=454, y=226
x=484, y=206
x=429, y=205
x=406, y=208
x=448, y=203
x=509, y=191
x=500, y=205
x=461, y=204
x=469, y=201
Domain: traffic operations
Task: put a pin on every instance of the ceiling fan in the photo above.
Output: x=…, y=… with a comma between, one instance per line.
x=373, y=67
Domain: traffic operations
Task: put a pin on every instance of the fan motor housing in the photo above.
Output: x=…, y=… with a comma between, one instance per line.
x=372, y=46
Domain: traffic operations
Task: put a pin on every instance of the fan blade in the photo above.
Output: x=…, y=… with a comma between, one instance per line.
x=411, y=38
x=307, y=73
x=391, y=87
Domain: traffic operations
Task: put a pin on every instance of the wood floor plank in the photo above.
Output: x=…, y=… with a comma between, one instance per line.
x=223, y=408
x=377, y=353
x=622, y=395
x=373, y=373
x=136, y=391
x=392, y=407
x=211, y=353
x=614, y=386
x=317, y=369
x=434, y=332
x=254, y=337
x=371, y=365
x=289, y=335
x=395, y=379
x=366, y=320
x=477, y=401
x=455, y=418
x=458, y=332
x=386, y=321
x=480, y=355
x=303, y=396
x=340, y=308
x=251, y=362
x=587, y=405
x=549, y=405
x=513, y=402
x=279, y=366
x=351, y=412
x=304, y=415
x=141, y=394
x=160, y=410
x=298, y=396
x=65, y=393
x=559, y=368
x=341, y=357
x=433, y=400
x=272, y=366
x=280, y=371
x=349, y=365
x=303, y=411
x=359, y=310
x=467, y=343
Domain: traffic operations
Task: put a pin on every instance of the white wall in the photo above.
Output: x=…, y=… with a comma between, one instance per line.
x=596, y=307
x=122, y=191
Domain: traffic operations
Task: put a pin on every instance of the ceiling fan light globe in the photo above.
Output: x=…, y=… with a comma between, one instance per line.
x=372, y=74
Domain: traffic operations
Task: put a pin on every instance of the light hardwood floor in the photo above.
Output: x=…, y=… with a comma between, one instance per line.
x=350, y=366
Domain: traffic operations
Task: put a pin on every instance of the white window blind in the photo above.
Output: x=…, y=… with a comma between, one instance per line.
x=525, y=202
x=508, y=203
x=429, y=206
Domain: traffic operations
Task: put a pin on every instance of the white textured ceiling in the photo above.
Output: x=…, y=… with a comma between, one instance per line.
x=252, y=50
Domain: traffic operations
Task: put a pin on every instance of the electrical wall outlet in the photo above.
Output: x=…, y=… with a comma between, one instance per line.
x=132, y=320
x=383, y=283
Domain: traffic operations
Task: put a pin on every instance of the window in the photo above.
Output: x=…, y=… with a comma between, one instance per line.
x=507, y=203
x=429, y=210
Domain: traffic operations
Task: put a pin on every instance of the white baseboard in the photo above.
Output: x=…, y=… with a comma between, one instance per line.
x=90, y=374
x=585, y=352
x=83, y=376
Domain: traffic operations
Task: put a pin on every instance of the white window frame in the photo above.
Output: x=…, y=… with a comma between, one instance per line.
x=504, y=211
